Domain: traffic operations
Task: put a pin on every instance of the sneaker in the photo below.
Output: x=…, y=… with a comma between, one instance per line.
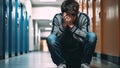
x=61, y=66
x=85, y=66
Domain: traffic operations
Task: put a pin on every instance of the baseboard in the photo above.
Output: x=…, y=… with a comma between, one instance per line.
x=110, y=58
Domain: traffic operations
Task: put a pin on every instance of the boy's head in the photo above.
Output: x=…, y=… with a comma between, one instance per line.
x=70, y=6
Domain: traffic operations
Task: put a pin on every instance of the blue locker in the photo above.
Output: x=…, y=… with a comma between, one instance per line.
x=3, y=30
x=26, y=32
x=21, y=28
x=6, y=7
x=10, y=29
x=16, y=27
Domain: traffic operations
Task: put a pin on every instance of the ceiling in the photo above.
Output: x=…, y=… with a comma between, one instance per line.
x=43, y=23
x=37, y=3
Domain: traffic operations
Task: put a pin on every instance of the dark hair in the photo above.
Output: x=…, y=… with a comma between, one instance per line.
x=70, y=6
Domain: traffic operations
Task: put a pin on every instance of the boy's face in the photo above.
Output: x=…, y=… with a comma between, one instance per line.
x=69, y=17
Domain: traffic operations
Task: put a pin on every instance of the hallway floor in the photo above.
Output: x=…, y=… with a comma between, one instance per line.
x=43, y=60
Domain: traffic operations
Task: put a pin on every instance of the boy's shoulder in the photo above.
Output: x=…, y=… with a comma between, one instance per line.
x=58, y=15
x=81, y=15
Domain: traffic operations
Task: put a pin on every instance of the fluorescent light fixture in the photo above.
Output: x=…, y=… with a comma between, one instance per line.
x=48, y=28
x=50, y=23
x=47, y=0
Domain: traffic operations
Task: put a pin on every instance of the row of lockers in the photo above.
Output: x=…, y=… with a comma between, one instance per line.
x=105, y=22
x=14, y=27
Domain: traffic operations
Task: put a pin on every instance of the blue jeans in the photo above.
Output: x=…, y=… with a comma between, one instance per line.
x=57, y=54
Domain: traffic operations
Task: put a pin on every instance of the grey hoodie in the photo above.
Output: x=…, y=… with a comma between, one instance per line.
x=79, y=31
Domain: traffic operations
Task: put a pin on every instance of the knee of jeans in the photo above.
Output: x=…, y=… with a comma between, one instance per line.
x=51, y=39
x=91, y=37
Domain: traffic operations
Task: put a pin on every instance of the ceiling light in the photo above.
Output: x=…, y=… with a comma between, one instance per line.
x=47, y=0
x=50, y=23
x=48, y=28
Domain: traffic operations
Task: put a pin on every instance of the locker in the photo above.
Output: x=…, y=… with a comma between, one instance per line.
x=21, y=29
x=10, y=27
x=26, y=32
x=13, y=27
x=11, y=18
x=24, y=29
x=6, y=27
x=16, y=27
x=3, y=29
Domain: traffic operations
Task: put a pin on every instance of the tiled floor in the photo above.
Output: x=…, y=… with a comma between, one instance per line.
x=43, y=60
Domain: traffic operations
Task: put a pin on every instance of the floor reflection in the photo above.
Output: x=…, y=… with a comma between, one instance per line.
x=43, y=60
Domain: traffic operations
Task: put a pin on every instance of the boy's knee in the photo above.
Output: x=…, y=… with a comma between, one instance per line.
x=51, y=39
x=91, y=37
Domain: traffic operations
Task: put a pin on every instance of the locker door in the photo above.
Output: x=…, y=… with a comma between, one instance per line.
x=94, y=10
x=85, y=6
x=16, y=27
x=97, y=23
x=2, y=5
x=98, y=26
x=13, y=27
x=25, y=37
x=26, y=32
x=24, y=29
x=3, y=29
x=10, y=28
x=6, y=28
x=21, y=28
x=90, y=14
x=119, y=30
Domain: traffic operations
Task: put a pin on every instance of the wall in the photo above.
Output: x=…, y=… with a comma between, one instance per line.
x=44, y=12
x=31, y=36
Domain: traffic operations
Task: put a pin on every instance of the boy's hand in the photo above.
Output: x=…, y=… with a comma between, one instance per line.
x=68, y=20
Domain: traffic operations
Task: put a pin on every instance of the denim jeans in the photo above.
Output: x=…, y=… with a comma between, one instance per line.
x=85, y=50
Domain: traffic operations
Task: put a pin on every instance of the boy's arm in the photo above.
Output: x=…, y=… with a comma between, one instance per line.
x=80, y=31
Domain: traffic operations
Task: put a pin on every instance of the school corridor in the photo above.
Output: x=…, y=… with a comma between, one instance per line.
x=25, y=24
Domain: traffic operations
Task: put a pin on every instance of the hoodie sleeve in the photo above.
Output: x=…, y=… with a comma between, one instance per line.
x=57, y=27
x=79, y=31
